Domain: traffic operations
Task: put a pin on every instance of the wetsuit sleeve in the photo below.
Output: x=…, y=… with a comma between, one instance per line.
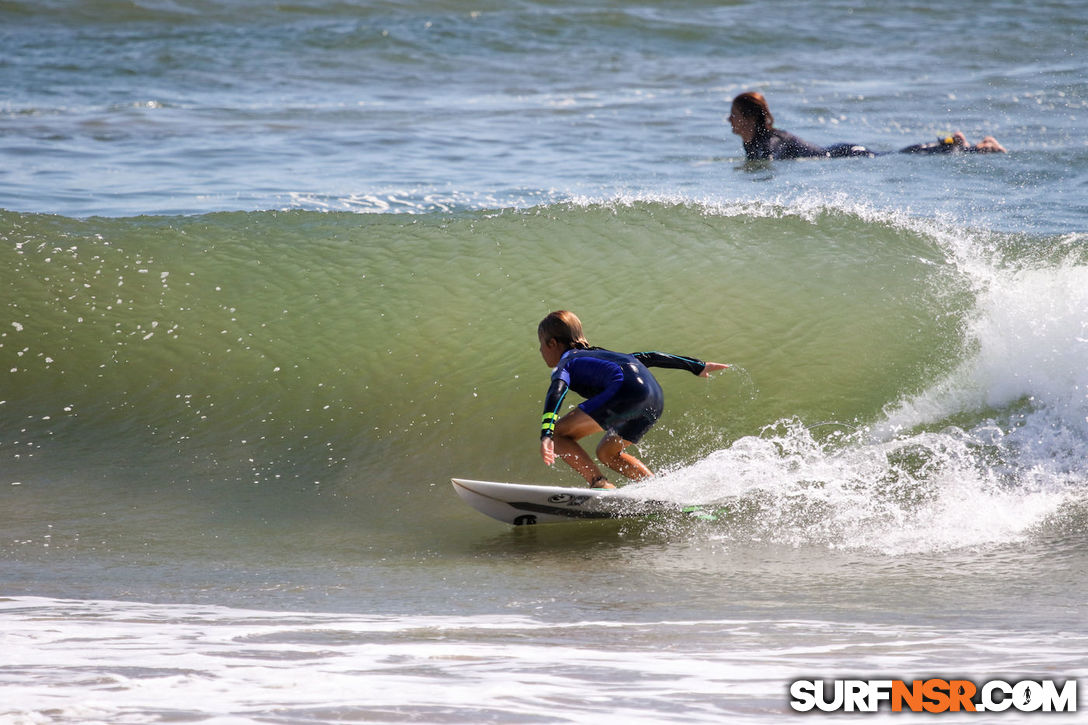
x=664, y=360
x=556, y=392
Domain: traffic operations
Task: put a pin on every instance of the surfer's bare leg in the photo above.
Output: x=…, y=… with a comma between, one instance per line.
x=569, y=429
x=612, y=454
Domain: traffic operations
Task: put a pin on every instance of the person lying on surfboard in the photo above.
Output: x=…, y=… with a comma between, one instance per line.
x=622, y=398
x=751, y=119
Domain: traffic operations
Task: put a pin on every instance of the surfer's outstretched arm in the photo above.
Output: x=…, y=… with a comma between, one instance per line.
x=678, y=362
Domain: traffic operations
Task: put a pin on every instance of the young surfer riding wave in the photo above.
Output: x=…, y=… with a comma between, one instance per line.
x=622, y=398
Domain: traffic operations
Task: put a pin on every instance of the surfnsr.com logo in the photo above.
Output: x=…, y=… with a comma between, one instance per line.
x=933, y=695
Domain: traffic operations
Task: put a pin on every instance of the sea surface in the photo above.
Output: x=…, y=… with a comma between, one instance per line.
x=270, y=275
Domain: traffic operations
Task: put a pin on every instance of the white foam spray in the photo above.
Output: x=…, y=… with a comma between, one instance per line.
x=984, y=456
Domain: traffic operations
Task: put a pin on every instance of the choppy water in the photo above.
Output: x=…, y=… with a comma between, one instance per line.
x=272, y=275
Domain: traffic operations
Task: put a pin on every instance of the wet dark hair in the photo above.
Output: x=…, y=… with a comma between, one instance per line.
x=564, y=326
x=754, y=105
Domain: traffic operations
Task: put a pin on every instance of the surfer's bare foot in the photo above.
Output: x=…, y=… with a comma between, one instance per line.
x=989, y=145
x=600, y=482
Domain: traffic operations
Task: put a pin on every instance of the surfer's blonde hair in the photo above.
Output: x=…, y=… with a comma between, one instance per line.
x=564, y=326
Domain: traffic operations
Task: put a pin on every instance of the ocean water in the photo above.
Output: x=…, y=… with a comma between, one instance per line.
x=271, y=275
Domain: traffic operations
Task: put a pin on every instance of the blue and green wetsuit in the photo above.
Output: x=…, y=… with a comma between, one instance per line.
x=621, y=394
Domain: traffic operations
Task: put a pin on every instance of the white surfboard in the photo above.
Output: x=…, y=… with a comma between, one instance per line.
x=520, y=504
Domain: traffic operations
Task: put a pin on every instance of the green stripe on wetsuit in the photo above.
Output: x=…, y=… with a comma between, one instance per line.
x=547, y=425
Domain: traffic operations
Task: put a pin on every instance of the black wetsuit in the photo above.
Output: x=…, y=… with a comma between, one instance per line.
x=776, y=144
x=621, y=394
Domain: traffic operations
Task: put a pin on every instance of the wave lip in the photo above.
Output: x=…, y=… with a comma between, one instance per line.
x=1025, y=366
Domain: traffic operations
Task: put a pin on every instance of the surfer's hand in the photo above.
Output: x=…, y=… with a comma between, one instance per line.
x=547, y=450
x=712, y=367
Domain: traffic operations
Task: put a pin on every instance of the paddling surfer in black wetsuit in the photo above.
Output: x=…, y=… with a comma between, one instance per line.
x=751, y=119
x=622, y=398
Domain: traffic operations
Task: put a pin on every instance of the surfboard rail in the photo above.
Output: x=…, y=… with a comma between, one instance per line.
x=522, y=504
